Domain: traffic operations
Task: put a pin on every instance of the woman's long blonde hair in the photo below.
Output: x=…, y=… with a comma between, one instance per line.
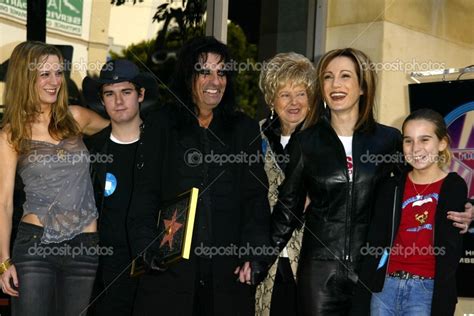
x=21, y=98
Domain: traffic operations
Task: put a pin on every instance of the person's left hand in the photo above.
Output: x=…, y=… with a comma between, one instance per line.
x=252, y=273
x=462, y=220
x=244, y=273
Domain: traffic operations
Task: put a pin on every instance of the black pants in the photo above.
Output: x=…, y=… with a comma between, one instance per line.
x=204, y=293
x=54, y=279
x=324, y=288
x=284, y=290
x=188, y=288
x=115, y=293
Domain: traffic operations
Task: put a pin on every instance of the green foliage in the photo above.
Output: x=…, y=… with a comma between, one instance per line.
x=160, y=57
x=246, y=81
x=137, y=53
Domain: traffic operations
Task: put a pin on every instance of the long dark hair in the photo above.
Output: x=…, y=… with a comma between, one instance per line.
x=190, y=56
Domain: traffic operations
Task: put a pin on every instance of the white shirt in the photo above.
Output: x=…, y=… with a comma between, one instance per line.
x=284, y=140
x=347, y=143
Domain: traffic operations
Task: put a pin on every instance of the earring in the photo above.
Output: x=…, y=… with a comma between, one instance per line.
x=272, y=113
x=325, y=105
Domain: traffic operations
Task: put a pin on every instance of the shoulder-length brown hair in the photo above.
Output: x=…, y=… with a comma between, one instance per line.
x=367, y=80
x=21, y=98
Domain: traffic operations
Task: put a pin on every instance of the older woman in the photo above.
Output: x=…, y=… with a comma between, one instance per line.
x=326, y=163
x=288, y=85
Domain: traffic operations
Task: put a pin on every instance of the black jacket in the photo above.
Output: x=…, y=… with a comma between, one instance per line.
x=339, y=214
x=232, y=207
x=97, y=145
x=382, y=233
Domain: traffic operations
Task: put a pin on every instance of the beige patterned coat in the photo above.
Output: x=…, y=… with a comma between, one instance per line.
x=275, y=176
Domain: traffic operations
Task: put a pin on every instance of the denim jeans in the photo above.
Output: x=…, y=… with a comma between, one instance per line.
x=410, y=297
x=53, y=279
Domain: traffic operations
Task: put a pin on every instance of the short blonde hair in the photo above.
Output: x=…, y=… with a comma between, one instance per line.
x=287, y=68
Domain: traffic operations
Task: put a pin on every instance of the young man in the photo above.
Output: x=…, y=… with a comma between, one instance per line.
x=116, y=154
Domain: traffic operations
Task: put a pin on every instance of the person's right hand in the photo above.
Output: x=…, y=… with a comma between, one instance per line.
x=6, y=278
x=153, y=262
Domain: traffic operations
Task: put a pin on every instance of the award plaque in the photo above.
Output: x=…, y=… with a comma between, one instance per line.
x=175, y=231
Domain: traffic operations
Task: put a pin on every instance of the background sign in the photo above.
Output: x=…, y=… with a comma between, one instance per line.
x=61, y=15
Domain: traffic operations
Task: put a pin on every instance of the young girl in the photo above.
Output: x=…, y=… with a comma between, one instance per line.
x=41, y=139
x=414, y=249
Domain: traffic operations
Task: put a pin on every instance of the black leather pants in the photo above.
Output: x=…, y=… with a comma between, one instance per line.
x=324, y=288
x=284, y=290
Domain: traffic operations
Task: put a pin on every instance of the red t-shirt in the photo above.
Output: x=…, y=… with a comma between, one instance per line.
x=413, y=249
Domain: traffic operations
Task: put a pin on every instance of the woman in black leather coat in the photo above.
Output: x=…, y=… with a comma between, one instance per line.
x=338, y=162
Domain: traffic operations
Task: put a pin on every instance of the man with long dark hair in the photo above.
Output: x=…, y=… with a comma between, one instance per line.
x=202, y=142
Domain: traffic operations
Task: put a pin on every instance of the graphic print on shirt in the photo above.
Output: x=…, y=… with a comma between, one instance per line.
x=110, y=184
x=347, y=143
x=419, y=207
x=350, y=166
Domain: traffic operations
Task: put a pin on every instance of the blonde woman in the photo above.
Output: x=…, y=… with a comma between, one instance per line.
x=52, y=266
x=288, y=85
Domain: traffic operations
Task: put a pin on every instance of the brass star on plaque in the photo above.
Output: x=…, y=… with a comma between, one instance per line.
x=171, y=226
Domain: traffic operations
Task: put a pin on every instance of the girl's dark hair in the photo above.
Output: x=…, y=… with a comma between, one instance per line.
x=441, y=131
x=191, y=56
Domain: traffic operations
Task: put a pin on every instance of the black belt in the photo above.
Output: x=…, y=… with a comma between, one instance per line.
x=404, y=275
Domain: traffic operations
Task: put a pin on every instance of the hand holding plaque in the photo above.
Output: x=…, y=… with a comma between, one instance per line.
x=175, y=230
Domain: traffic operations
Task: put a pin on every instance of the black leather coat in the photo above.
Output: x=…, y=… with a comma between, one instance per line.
x=338, y=217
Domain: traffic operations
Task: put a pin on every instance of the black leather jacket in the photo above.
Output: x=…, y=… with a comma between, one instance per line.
x=338, y=217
